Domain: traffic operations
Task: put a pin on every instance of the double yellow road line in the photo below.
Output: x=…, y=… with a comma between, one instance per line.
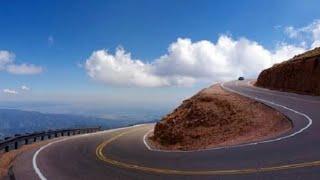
x=102, y=157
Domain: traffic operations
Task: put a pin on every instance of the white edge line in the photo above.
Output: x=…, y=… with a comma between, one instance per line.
x=247, y=144
x=274, y=93
x=34, y=158
x=145, y=139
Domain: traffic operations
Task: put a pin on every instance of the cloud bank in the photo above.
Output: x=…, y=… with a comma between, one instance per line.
x=22, y=90
x=187, y=62
x=7, y=64
x=24, y=69
x=10, y=91
x=309, y=35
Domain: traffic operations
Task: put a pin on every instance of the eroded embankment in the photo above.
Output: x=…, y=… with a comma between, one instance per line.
x=301, y=74
x=214, y=117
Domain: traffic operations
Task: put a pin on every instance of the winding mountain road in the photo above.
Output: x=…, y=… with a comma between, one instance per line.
x=123, y=154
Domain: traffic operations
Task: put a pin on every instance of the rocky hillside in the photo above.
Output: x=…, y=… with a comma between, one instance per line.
x=214, y=117
x=301, y=74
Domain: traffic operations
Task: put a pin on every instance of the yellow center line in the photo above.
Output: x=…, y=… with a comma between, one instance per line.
x=102, y=157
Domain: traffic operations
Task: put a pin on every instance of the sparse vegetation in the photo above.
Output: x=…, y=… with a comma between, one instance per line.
x=214, y=117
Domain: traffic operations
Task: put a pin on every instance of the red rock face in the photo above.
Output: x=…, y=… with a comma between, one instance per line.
x=300, y=74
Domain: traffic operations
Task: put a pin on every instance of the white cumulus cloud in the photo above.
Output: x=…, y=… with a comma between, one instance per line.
x=6, y=58
x=309, y=33
x=285, y=51
x=187, y=62
x=7, y=63
x=24, y=69
x=10, y=91
x=25, y=88
x=121, y=69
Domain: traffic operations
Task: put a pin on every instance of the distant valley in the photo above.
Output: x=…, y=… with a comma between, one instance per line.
x=14, y=121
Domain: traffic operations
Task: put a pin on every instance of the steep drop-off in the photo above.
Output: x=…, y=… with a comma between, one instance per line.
x=301, y=74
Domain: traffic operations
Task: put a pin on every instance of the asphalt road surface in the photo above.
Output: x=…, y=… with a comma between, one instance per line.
x=122, y=153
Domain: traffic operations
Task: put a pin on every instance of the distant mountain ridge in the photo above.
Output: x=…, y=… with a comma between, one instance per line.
x=14, y=121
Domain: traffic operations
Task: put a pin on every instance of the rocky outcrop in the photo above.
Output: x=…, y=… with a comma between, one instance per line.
x=214, y=117
x=301, y=74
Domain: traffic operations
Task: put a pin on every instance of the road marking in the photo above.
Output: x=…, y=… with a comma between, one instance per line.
x=279, y=105
x=102, y=157
x=34, y=163
x=145, y=139
x=272, y=92
x=35, y=155
x=246, y=144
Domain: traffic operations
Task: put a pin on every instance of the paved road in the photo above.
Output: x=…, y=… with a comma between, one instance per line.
x=122, y=154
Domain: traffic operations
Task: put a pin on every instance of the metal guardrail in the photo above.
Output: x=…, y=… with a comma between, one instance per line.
x=18, y=140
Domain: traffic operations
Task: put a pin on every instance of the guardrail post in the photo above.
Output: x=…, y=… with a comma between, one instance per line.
x=41, y=136
x=6, y=149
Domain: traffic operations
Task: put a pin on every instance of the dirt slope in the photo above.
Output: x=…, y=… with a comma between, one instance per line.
x=300, y=74
x=214, y=117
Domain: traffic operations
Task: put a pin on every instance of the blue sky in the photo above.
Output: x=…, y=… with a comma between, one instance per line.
x=60, y=38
